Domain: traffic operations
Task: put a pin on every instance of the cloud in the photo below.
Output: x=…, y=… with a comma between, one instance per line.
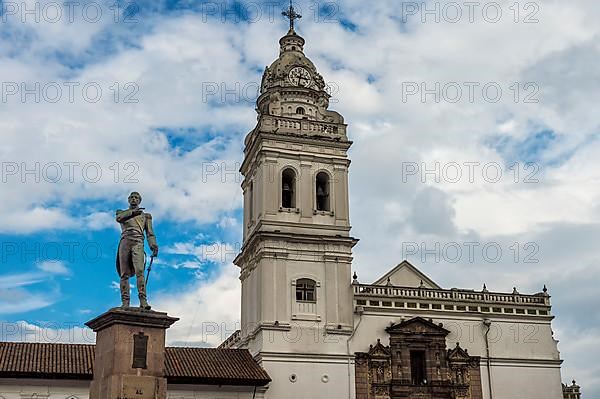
x=18, y=300
x=202, y=323
x=432, y=213
x=100, y=220
x=21, y=293
x=54, y=267
x=216, y=252
x=36, y=219
x=20, y=280
x=50, y=332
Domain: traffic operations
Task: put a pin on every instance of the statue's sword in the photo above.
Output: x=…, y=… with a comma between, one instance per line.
x=149, y=269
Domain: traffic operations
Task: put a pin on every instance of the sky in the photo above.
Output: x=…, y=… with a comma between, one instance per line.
x=474, y=157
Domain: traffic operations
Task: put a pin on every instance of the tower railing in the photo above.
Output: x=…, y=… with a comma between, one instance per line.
x=302, y=126
x=456, y=295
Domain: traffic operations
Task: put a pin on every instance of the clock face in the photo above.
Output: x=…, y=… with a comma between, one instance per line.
x=299, y=76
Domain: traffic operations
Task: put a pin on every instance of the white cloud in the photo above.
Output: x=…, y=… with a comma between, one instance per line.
x=50, y=332
x=209, y=309
x=217, y=252
x=54, y=267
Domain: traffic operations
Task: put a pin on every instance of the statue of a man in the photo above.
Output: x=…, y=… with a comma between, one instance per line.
x=130, y=256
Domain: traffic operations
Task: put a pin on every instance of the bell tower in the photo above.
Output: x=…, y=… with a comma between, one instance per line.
x=296, y=259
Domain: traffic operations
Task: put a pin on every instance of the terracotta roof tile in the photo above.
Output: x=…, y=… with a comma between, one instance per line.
x=225, y=366
x=183, y=365
x=46, y=360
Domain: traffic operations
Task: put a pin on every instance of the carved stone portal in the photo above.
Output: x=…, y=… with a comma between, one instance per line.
x=417, y=365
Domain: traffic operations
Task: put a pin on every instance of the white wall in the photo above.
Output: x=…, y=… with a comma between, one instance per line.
x=64, y=389
x=213, y=392
x=316, y=378
x=514, y=381
x=51, y=389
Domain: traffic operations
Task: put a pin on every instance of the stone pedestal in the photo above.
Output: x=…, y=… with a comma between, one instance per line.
x=130, y=354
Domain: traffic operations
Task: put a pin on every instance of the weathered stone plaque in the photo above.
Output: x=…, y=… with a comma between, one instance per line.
x=140, y=351
x=137, y=387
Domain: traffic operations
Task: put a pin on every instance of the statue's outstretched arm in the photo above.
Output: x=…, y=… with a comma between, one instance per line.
x=123, y=216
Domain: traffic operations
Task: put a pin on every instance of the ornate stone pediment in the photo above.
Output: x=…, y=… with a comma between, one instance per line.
x=417, y=325
x=379, y=351
x=458, y=354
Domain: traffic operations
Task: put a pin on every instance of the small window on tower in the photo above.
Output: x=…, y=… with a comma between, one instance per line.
x=288, y=189
x=251, y=202
x=305, y=290
x=300, y=111
x=322, y=188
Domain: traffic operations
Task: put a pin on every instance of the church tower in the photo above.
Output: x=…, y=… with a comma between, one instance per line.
x=296, y=259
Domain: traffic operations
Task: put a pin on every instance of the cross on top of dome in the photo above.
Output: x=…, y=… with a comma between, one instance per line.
x=292, y=15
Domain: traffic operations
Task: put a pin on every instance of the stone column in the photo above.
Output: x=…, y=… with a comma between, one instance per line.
x=130, y=354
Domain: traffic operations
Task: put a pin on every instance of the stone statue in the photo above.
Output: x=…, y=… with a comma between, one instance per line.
x=130, y=256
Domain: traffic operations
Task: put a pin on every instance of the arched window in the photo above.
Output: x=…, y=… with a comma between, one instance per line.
x=300, y=111
x=288, y=189
x=322, y=191
x=306, y=290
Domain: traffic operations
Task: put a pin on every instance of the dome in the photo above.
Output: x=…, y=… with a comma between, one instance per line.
x=292, y=68
x=291, y=87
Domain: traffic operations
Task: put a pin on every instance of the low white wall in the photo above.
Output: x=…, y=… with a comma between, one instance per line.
x=50, y=389
x=66, y=389
x=314, y=379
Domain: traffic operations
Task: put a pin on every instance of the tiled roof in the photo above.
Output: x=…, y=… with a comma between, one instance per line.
x=206, y=365
x=46, y=360
x=183, y=365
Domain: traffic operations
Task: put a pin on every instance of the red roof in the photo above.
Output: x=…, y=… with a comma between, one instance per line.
x=205, y=366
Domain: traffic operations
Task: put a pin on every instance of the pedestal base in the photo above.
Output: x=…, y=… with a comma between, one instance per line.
x=130, y=354
x=129, y=387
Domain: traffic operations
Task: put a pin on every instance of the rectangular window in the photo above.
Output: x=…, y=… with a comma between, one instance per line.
x=305, y=291
x=417, y=368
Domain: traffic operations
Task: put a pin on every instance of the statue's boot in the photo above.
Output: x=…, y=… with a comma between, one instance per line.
x=124, y=293
x=144, y=304
x=141, y=286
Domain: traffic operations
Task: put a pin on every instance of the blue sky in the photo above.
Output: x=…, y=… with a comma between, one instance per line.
x=178, y=80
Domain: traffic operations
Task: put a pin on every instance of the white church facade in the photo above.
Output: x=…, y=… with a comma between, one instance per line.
x=309, y=328
x=318, y=332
